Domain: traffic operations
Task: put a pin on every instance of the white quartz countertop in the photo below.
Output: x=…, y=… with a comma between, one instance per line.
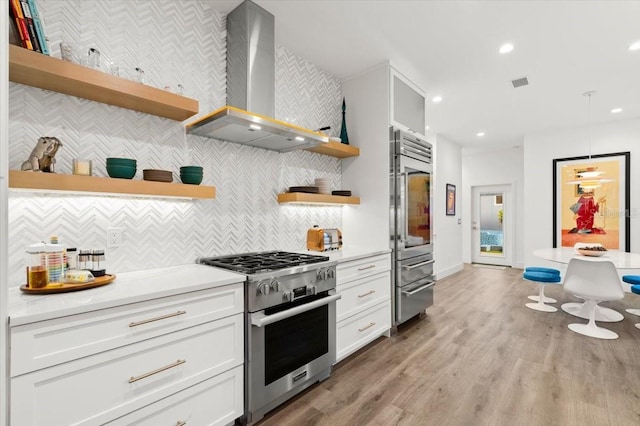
x=351, y=253
x=128, y=287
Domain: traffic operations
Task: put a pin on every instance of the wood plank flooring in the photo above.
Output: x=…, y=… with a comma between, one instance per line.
x=480, y=357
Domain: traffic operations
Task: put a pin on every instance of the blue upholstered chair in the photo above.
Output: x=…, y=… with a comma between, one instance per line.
x=542, y=279
x=595, y=282
x=635, y=289
x=634, y=280
x=546, y=271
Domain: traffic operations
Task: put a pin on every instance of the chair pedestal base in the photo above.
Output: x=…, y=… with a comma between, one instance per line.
x=545, y=299
x=593, y=330
x=541, y=307
x=602, y=314
x=631, y=311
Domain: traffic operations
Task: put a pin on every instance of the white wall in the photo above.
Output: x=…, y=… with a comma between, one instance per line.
x=447, y=232
x=494, y=168
x=541, y=149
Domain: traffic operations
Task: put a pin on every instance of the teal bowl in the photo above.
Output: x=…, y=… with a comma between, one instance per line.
x=121, y=172
x=121, y=162
x=191, y=179
x=191, y=169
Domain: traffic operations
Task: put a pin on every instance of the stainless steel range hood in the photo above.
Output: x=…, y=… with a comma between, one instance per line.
x=250, y=89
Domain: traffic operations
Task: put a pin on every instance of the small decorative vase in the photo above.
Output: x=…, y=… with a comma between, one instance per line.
x=343, y=131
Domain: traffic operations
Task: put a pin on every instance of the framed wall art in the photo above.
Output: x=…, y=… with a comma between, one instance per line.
x=451, y=200
x=591, y=201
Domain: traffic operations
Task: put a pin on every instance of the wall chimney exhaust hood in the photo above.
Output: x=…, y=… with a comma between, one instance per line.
x=251, y=87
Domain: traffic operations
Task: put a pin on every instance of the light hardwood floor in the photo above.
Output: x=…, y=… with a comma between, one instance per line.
x=480, y=357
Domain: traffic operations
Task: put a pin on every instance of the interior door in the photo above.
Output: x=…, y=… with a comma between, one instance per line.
x=491, y=225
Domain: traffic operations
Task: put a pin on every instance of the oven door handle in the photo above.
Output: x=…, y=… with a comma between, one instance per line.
x=259, y=319
x=419, y=289
x=417, y=265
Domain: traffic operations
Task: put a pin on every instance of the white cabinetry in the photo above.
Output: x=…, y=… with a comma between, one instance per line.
x=406, y=109
x=364, y=312
x=136, y=363
x=376, y=99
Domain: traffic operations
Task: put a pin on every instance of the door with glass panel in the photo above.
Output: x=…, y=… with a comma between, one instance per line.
x=491, y=225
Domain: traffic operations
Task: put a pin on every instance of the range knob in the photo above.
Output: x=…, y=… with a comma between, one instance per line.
x=312, y=289
x=287, y=296
x=321, y=275
x=275, y=285
x=264, y=288
x=331, y=273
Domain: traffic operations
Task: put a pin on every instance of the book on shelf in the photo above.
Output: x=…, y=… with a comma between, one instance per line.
x=28, y=20
x=15, y=10
x=37, y=22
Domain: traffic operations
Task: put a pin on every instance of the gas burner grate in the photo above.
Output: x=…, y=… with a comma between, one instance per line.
x=251, y=263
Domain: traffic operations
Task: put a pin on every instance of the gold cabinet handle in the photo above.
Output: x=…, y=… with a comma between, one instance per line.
x=366, y=294
x=371, y=324
x=366, y=267
x=181, y=422
x=147, y=321
x=156, y=371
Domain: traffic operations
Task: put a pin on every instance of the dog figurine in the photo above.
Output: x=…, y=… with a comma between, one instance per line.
x=42, y=158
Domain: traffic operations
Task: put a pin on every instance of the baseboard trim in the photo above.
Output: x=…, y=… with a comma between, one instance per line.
x=449, y=271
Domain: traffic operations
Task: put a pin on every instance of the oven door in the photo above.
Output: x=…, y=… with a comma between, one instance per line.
x=288, y=351
x=412, y=209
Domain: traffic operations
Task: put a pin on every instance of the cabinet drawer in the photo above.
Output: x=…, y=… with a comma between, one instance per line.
x=43, y=344
x=362, y=294
x=108, y=385
x=355, y=332
x=354, y=269
x=216, y=401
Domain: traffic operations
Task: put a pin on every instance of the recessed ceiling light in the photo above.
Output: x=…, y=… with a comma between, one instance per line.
x=299, y=138
x=616, y=110
x=436, y=99
x=480, y=134
x=506, y=48
x=635, y=46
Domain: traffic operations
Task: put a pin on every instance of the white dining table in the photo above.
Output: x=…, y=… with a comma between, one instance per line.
x=621, y=260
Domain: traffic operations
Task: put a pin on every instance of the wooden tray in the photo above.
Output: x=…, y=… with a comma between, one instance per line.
x=67, y=287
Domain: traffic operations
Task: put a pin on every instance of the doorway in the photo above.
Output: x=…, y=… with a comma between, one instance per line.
x=492, y=225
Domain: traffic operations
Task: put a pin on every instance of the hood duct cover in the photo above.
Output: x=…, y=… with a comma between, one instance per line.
x=251, y=87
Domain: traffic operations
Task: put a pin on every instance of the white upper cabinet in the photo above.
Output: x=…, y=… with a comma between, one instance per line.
x=407, y=108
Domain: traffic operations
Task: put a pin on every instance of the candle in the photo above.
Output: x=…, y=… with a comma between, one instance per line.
x=82, y=167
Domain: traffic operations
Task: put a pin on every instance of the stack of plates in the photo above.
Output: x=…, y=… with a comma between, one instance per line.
x=323, y=186
x=157, y=175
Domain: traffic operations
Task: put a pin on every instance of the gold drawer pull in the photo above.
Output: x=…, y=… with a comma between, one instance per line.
x=371, y=324
x=366, y=294
x=147, y=321
x=181, y=423
x=156, y=371
x=366, y=267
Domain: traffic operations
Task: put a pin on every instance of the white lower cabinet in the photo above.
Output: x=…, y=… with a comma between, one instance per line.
x=216, y=401
x=195, y=359
x=364, y=312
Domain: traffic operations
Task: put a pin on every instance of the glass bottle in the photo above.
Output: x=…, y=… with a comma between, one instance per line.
x=55, y=262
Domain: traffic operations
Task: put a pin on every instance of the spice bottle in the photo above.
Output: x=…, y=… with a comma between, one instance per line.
x=37, y=265
x=72, y=258
x=84, y=259
x=97, y=262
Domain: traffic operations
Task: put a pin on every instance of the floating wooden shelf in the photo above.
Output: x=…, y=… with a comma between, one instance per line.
x=304, y=198
x=38, y=70
x=336, y=149
x=104, y=185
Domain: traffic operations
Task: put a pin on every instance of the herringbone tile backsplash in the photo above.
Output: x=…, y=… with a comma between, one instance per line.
x=174, y=42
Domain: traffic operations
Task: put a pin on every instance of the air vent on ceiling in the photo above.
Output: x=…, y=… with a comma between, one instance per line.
x=519, y=82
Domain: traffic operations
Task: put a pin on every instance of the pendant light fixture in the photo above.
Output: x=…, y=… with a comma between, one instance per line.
x=589, y=179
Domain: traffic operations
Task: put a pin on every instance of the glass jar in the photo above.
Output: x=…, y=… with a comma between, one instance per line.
x=37, y=265
x=72, y=258
x=84, y=259
x=97, y=257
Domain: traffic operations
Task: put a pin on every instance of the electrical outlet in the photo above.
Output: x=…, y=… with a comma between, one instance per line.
x=114, y=237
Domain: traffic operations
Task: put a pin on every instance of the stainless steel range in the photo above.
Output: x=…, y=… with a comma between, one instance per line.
x=289, y=326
